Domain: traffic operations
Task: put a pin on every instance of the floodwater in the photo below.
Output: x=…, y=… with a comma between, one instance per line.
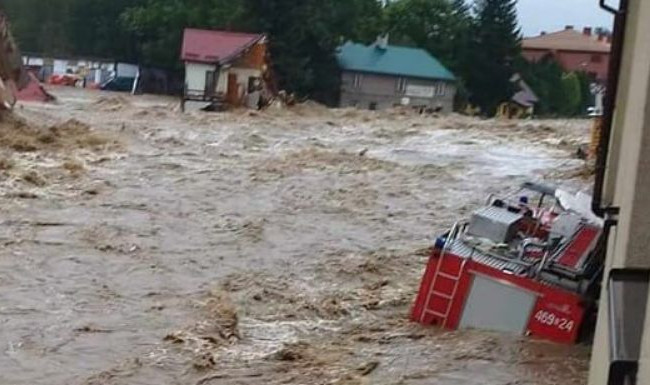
x=275, y=247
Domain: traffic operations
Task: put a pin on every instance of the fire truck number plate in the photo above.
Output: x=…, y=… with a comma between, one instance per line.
x=552, y=319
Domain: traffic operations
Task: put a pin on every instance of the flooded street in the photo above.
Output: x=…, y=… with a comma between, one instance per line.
x=144, y=246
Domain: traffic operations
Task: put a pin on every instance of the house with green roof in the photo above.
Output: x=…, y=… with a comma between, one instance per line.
x=380, y=76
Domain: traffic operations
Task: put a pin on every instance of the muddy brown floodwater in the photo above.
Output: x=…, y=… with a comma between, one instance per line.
x=144, y=246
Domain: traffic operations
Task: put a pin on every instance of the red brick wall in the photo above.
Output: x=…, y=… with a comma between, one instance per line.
x=255, y=57
x=575, y=61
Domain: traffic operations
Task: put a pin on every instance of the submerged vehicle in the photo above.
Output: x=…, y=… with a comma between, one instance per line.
x=119, y=84
x=528, y=264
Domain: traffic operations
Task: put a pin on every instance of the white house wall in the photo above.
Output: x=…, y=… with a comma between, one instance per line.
x=222, y=83
x=195, y=75
x=243, y=74
x=125, y=70
x=60, y=67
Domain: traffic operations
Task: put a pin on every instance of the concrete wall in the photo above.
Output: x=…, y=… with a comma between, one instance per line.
x=383, y=91
x=574, y=61
x=628, y=182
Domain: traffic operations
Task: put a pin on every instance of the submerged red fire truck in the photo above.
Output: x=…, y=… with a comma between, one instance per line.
x=527, y=264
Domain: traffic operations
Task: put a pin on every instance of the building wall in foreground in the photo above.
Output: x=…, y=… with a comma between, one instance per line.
x=628, y=182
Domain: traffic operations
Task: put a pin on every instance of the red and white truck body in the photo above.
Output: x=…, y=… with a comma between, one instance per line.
x=517, y=266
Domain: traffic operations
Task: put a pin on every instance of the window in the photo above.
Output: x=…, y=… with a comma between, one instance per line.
x=440, y=89
x=358, y=81
x=596, y=58
x=254, y=84
x=402, y=83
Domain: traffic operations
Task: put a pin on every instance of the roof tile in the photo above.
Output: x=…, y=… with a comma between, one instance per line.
x=215, y=46
x=567, y=40
x=392, y=60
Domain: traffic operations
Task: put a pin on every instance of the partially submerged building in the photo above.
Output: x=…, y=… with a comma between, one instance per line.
x=522, y=104
x=223, y=66
x=380, y=76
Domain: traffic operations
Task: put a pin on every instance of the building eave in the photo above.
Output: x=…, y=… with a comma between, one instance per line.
x=394, y=74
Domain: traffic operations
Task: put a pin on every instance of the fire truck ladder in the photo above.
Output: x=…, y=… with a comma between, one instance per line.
x=433, y=293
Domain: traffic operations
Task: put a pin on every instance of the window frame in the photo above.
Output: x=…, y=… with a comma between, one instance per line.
x=440, y=89
x=401, y=85
x=357, y=81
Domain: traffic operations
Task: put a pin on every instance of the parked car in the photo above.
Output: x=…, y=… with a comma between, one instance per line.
x=121, y=84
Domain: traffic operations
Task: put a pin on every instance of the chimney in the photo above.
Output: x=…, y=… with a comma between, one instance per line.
x=382, y=42
x=609, y=39
x=568, y=28
x=601, y=37
x=587, y=31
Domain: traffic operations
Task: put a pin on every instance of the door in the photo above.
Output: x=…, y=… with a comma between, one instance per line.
x=233, y=90
x=496, y=306
x=210, y=84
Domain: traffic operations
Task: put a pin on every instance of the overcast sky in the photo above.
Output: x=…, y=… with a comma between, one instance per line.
x=552, y=15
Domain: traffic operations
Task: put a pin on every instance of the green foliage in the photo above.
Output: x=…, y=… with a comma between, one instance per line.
x=587, y=99
x=304, y=36
x=71, y=27
x=427, y=24
x=572, y=94
x=479, y=42
x=494, y=48
x=158, y=25
x=560, y=94
x=545, y=78
x=40, y=26
x=441, y=27
x=480, y=46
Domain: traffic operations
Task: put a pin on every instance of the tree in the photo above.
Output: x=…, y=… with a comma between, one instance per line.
x=93, y=29
x=494, y=48
x=71, y=27
x=587, y=98
x=158, y=25
x=442, y=27
x=572, y=94
x=559, y=93
x=304, y=36
x=40, y=26
x=435, y=25
x=545, y=79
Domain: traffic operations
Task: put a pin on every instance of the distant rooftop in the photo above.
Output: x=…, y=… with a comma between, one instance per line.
x=392, y=60
x=207, y=46
x=569, y=40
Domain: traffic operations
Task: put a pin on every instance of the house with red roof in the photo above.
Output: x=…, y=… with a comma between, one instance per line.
x=224, y=66
x=578, y=51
